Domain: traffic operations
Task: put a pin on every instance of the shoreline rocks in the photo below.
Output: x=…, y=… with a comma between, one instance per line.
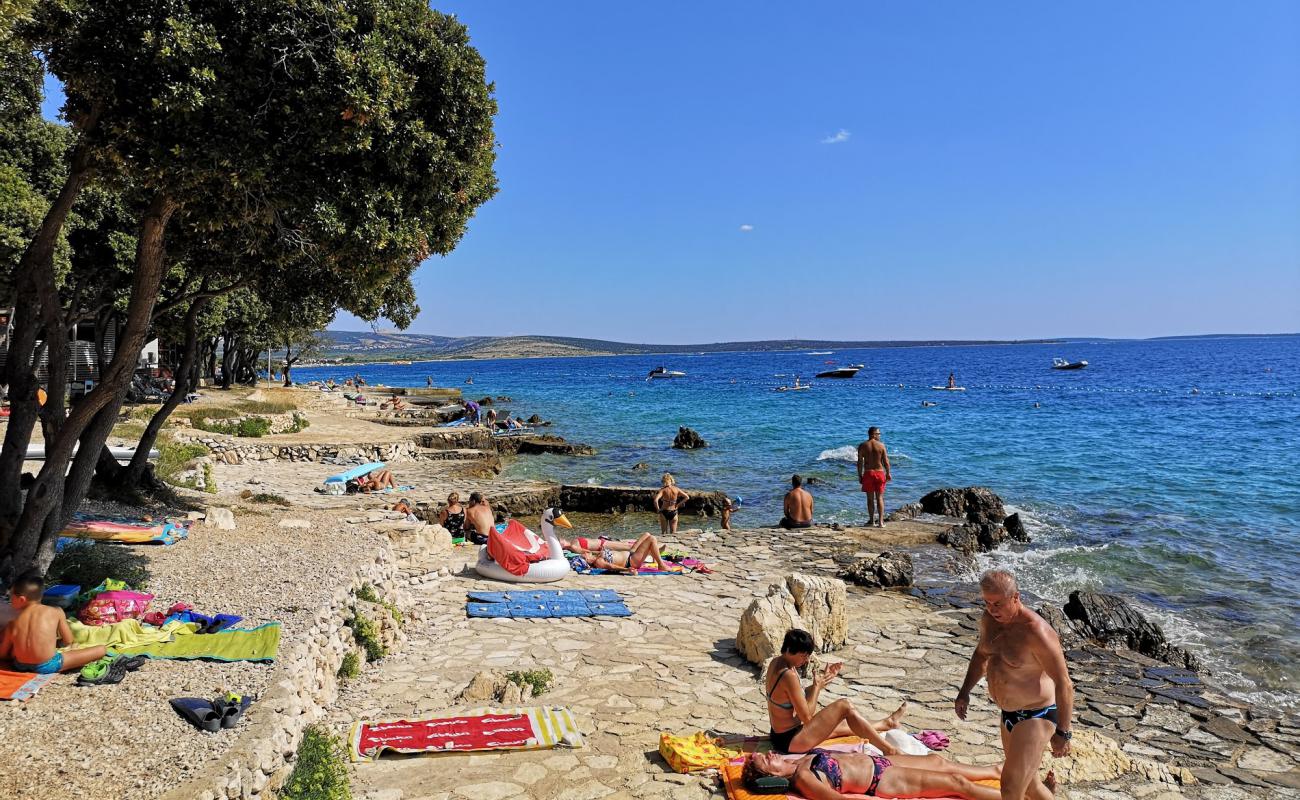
x=886, y=570
x=687, y=439
x=1110, y=620
x=812, y=603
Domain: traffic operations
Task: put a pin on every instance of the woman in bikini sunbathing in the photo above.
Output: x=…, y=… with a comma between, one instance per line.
x=618, y=556
x=822, y=775
x=797, y=725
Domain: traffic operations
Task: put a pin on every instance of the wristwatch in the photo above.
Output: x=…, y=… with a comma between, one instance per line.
x=1066, y=735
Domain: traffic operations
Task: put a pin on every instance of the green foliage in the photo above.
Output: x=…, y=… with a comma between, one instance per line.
x=300, y=423
x=366, y=632
x=174, y=455
x=209, y=479
x=539, y=679
x=275, y=499
x=87, y=564
x=351, y=666
x=321, y=770
x=367, y=593
x=247, y=427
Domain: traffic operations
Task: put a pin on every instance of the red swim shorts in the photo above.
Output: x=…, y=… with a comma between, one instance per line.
x=873, y=481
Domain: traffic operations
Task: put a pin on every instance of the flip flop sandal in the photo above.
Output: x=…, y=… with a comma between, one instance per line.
x=133, y=663
x=198, y=712
x=232, y=708
x=117, y=670
x=93, y=673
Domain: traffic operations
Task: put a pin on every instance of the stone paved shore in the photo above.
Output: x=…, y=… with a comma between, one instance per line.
x=674, y=667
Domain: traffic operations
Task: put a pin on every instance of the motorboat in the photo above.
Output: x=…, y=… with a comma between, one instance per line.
x=821, y=352
x=1061, y=363
x=801, y=388
x=841, y=372
x=664, y=372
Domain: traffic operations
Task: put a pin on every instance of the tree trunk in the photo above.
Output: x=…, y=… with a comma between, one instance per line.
x=34, y=268
x=184, y=375
x=227, y=361
x=57, y=493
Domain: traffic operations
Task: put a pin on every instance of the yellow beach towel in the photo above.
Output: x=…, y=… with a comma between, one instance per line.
x=694, y=753
x=127, y=633
x=259, y=644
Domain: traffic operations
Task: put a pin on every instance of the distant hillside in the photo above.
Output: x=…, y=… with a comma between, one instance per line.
x=369, y=346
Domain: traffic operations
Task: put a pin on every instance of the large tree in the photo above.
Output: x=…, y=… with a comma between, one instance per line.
x=331, y=143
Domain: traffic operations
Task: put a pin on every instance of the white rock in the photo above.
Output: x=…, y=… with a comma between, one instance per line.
x=221, y=518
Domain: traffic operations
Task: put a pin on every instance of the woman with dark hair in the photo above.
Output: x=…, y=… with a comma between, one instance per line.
x=822, y=775
x=797, y=725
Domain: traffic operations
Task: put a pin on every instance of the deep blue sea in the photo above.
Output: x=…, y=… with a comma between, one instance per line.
x=1168, y=471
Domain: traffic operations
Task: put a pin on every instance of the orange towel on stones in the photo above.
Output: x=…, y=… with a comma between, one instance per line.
x=21, y=685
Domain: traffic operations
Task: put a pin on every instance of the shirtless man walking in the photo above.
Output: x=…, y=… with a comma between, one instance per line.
x=1021, y=656
x=873, y=474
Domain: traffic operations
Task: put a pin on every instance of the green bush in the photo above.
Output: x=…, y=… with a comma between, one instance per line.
x=264, y=497
x=351, y=666
x=87, y=564
x=248, y=427
x=367, y=593
x=366, y=632
x=539, y=679
x=174, y=455
x=209, y=479
x=321, y=771
x=300, y=422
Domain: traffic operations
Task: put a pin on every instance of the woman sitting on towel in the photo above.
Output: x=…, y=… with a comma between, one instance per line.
x=823, y=775
x=797, y=725
x=617, y=556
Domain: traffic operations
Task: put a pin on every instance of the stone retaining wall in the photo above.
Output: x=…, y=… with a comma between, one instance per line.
x=307, y=682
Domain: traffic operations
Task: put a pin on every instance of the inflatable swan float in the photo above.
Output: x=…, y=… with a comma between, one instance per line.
x=516, y=545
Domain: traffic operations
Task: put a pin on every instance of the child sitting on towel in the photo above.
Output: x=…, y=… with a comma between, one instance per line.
x=32, y=639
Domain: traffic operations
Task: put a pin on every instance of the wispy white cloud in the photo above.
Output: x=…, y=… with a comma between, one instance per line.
x=746, y=228
x=840, y=137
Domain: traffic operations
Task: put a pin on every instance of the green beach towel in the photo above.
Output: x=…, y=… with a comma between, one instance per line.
x=259, y=644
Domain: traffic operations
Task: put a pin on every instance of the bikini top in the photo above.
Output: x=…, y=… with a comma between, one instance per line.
x=776, y=683
x=827, y=767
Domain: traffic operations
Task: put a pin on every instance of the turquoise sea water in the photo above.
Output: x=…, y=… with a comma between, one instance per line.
x=1185, y=502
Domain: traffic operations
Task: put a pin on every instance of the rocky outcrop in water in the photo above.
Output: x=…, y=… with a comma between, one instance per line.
x=975, y=503
x=688, y=439
x=534, y=445
x=976, y=537
x=812, y=603
x=883, y=571
x=986, y=522
x=1111, y=621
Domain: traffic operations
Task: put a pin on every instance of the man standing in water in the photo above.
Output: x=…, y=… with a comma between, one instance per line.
x=873, y=474
x=1021, y=656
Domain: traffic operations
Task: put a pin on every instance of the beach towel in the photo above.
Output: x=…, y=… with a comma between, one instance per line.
x=259, y=644
x=546, y=610
x=537, y=728
x=21, y=686
x=515, y=547
x=127, y=633
x=103, y=530
x=546, y=595
x=733, y=771
x=673, y=569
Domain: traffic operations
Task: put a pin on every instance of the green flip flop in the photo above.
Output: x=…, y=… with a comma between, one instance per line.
x=94, y=672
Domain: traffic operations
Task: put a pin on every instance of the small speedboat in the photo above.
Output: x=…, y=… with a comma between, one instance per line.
x=949, y=388
x=841, y=372
x=664, y=372
x=1061, y=363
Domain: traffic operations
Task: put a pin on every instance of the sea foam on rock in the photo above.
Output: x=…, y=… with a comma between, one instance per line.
x=812, y=603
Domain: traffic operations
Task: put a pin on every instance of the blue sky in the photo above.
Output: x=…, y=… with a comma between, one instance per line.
x=689, y=172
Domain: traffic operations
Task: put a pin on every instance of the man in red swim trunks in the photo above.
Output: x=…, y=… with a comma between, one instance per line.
x=873, y=474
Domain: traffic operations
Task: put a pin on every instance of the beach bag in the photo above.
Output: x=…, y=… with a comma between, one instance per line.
x=694, y=753
x=336, y=488
x=115, y=606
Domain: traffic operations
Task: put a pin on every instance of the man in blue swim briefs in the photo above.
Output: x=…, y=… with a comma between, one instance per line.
x=1021, y=656
x=32, y=639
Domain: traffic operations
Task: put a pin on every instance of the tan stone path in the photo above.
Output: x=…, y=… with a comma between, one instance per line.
x=670, y=667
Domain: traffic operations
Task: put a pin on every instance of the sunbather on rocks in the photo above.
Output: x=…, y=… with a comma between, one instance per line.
x=377, y=481
x=823, y=775
x=797, y=725
x=618, y=556
x=33, y=638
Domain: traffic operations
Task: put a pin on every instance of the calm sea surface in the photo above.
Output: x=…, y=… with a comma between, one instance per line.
x=1186, y=502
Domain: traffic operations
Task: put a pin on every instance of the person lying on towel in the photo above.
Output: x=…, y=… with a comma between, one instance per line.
x=617, y=556
x=823, y=775
x=32, y=639
x=376, y=481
